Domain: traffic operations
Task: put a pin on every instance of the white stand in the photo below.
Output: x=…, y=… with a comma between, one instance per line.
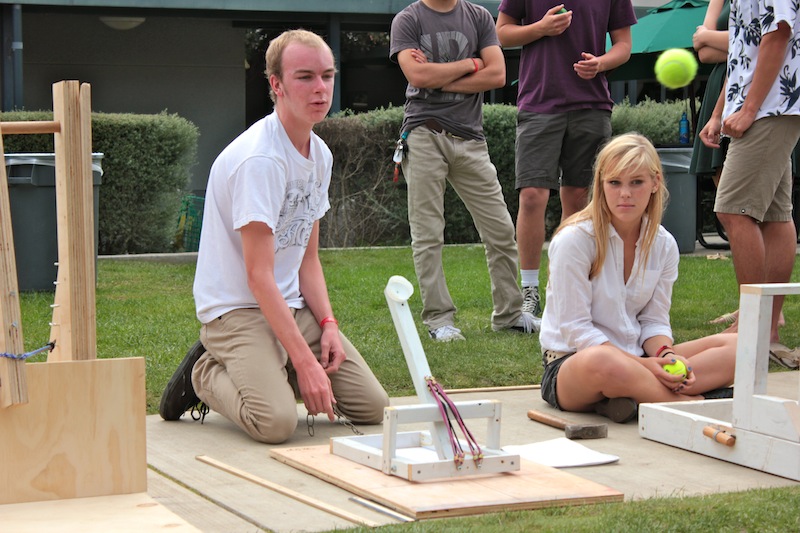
x=766, y=428
x=381, y=451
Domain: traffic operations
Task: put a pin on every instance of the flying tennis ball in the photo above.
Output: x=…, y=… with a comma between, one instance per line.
x=676, y=68
x=677, y=368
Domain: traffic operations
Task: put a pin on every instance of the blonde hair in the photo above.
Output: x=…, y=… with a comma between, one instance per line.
x=274, y=55
x=621, y=153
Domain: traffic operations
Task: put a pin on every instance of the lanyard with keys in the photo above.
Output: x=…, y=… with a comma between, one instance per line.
x=399, y=152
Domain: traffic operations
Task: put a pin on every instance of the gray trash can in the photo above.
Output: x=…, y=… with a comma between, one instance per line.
x=680, y=217
x=32, y=194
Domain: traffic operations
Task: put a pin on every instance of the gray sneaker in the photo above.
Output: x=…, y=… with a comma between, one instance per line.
x=531, y=302
x=446, y=334
x=526, y=323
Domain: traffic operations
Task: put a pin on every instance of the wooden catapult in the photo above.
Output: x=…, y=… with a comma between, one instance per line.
x=386, y=452
x=753, y=429
x=74, y=426
x=426, y=473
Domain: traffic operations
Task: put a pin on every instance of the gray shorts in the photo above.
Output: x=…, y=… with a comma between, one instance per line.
x=559, y=145
x=757, y=174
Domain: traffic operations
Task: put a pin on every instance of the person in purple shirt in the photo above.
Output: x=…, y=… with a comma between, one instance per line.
x=564, y=108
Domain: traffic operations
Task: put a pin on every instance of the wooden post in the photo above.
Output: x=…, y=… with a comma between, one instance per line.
x=13, y=389
x=74, y=316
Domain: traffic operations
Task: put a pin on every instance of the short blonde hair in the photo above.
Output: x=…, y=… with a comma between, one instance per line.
x=274, y=55
x=621, y=153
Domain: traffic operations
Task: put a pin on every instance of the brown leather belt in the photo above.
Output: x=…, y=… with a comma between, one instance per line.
x=435, y=126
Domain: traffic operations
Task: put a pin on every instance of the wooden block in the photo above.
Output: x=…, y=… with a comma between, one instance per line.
x=534, y=486
x=81, y=434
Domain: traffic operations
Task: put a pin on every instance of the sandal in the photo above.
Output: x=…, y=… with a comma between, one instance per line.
x=727, y=318
x=730, y=318
x=783, y=356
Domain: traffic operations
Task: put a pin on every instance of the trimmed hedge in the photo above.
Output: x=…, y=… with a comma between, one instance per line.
x=145, y=171
x=368, y=208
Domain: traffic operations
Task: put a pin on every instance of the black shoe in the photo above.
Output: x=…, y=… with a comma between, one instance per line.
x=619, y=410
x=179, y=394
x=719, y=394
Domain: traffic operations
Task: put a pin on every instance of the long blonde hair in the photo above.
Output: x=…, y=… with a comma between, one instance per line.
x=628, y=151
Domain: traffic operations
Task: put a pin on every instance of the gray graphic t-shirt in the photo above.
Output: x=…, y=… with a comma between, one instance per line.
x=444, y=37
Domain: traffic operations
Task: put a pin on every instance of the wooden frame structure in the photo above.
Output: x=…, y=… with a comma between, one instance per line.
x=73, y=426
x=753, y=429
x=385, y=452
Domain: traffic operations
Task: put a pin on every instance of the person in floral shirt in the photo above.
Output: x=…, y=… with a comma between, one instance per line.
x=759, y=114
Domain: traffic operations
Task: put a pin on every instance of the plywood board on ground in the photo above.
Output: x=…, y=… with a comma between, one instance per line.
x=127, y=513
x=532, y=487
x=81, y=434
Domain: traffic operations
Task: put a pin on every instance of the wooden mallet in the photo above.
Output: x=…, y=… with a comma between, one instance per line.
x=572, y=430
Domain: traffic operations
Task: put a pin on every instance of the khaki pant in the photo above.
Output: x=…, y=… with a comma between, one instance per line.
x=432, y=160
x=247, y=377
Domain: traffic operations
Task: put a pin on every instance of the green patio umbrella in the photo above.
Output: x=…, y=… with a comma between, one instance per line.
x=669, y=26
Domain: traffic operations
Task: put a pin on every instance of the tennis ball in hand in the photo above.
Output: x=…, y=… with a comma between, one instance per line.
x=562, y=10
x=677, y=368
x=676, y=68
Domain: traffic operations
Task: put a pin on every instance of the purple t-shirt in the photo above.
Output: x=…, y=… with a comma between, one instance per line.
x=547, y=81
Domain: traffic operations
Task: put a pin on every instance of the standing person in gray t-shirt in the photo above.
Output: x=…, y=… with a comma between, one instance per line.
x=449, y=53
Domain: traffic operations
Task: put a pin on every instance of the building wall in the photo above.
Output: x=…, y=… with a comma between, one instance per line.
x=193, y=67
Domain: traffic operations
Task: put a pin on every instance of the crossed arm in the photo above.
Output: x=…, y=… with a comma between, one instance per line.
x=470, y=75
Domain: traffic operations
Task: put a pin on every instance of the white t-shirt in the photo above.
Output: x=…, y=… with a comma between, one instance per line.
x=259, y=177
x=750, y=20
x=580, y=312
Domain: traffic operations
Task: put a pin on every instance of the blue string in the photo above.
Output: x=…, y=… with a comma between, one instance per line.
x=48, y=346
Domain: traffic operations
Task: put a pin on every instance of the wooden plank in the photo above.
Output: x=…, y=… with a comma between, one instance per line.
x=670, y=424
x=13, y=385
x=74, y=315
x=129, y=513
x=341, y=513
x=533, y=487
x=21, y=128
x=82, y=433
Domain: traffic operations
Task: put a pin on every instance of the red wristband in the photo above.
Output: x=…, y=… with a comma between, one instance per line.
x=328, y=319
x=477, y=67
x=663, y=348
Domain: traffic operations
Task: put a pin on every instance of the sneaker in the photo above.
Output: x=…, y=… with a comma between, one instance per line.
x=619, y=410
x=446, y=334
x=531, y=302
x=526, y=323
x=179, y=394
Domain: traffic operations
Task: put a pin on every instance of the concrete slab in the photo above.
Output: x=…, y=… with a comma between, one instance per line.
x=230, y=504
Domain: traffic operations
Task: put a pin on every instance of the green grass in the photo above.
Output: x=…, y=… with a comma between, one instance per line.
x=146, y=310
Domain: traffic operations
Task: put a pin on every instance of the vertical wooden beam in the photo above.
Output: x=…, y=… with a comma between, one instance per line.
x=13, y=386
x=74, y=317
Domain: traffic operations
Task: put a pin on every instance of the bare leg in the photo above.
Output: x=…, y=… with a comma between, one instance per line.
x=712, y=359
x=762, y=253
x=573, y=199
x=604, y=371
x=530, y=226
